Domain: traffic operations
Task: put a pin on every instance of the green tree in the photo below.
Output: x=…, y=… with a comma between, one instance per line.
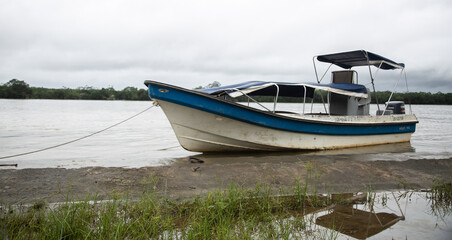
x=210, y=85
x=213, y=84
x=127, y=93
x=143, y=94
x=16, y=89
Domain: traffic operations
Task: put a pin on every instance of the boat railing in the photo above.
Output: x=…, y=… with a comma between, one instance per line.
x=254, y=100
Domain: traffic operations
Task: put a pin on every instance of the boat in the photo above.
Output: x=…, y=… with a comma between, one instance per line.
x=212, y=120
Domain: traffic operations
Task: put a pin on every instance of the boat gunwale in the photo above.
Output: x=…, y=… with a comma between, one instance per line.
x=269, y=113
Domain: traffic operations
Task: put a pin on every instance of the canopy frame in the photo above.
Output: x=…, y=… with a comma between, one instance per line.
x=348, y=60
x=247, y=88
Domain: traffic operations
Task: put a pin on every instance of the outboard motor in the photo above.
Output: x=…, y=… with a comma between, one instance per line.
x=397, y=107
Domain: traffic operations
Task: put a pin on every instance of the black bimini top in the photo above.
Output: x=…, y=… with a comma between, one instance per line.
x=351, y=59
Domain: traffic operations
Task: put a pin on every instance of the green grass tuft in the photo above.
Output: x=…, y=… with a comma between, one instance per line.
x=232, y=213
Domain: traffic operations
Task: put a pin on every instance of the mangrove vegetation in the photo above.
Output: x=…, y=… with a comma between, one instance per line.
x=18, y=89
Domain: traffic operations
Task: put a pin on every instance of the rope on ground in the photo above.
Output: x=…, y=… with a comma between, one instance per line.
x=78, y=139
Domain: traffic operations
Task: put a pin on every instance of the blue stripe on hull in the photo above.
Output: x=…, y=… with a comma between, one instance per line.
x=242, y=113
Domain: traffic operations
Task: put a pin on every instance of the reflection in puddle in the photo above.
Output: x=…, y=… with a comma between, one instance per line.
x=360, y=224
x=407, y=215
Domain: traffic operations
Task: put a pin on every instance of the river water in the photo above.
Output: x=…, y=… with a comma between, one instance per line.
x=148, y=140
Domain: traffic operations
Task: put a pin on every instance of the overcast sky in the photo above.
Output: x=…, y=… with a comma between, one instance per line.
x=56, y=43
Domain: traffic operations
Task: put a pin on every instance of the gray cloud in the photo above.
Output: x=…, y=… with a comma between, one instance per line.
x=190, y=43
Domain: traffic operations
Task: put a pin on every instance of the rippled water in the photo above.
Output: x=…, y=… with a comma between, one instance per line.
x=148, y=140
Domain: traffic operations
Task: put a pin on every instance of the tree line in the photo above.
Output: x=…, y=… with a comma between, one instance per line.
x=17, y=89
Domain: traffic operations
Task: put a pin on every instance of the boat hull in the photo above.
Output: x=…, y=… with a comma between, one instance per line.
x=204, y=123
x=201, y=131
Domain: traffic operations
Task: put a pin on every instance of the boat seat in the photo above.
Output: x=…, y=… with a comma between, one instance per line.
x=342, y=76
x=345, y=105
x=338, y=103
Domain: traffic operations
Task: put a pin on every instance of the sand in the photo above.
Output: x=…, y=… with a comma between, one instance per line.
x=183, y=179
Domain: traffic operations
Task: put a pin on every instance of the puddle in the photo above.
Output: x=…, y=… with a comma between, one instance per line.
x=390, y=215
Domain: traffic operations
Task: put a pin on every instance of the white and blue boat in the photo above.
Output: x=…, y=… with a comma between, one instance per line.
x=210, y=120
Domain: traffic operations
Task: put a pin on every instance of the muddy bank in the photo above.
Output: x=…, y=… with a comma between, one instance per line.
x=183, y=179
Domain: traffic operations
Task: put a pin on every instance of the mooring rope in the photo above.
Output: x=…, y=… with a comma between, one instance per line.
x=78, y=139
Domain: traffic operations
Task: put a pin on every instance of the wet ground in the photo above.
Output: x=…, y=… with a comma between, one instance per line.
x=186, y=177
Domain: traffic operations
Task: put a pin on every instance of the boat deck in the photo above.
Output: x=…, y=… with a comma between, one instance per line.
x=398, y=118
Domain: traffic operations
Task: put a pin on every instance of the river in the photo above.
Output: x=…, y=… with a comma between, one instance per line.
x=148, y=140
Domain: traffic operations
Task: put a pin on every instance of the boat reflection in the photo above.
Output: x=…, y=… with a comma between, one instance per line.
x=383, y=148
x=357, y=223
x=426, y=215
x=366, y=153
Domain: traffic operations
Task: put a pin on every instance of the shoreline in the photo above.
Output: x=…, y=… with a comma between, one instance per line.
x=183, y=179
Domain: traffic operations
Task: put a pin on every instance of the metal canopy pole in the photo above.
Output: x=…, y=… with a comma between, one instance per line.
x=318, y=81
x=406, y=83
x=276, y=97
x=372, y=80
x=393, y=91
x=304, y=98
x=395, y=87
x=373, y=87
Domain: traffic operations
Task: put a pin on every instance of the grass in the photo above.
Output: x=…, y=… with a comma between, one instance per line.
x=232, y=213
x=442, y=191
x=441, y=198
